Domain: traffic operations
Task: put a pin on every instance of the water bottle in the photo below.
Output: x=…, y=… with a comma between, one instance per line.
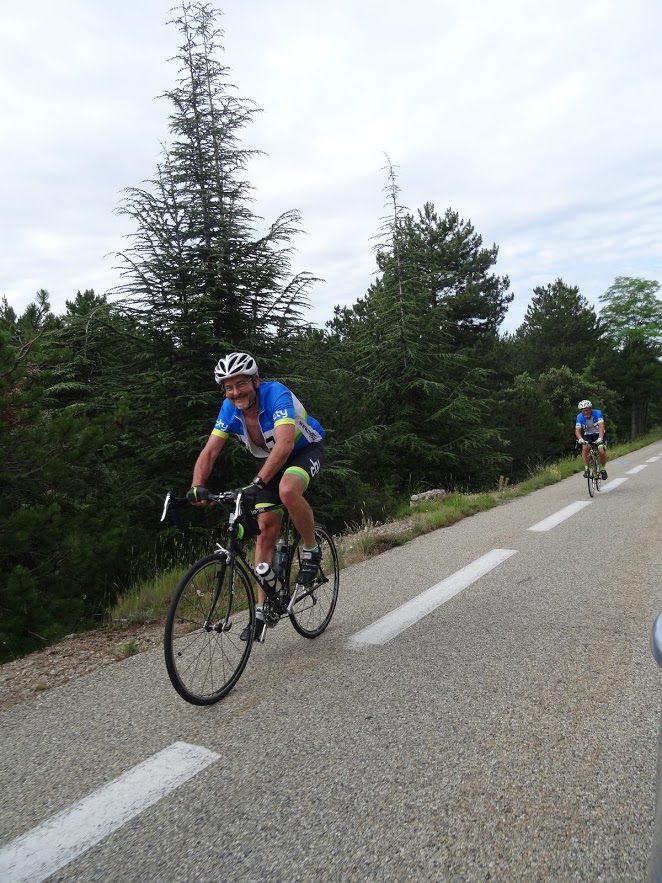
x=280, y=560
x=266, y=574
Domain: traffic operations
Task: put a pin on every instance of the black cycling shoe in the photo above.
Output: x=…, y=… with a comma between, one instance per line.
x=603, y=474
x=586, y=473
x=259, y=631
x=310, y=564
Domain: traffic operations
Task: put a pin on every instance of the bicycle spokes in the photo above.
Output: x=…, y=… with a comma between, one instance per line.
x=312, y=605
x=205, y=655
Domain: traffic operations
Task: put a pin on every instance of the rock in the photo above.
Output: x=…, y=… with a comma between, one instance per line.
x=436, y=494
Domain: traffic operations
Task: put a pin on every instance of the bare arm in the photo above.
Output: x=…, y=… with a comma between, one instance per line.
x=206, y=459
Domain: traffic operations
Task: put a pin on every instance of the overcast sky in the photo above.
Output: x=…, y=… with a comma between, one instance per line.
x=539, y=123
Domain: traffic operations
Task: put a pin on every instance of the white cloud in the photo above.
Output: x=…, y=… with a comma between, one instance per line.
x=537, y=123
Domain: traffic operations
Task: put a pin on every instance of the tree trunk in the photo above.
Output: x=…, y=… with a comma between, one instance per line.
x=638, y=419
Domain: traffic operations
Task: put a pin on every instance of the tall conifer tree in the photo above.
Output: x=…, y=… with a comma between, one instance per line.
x=200, y=279
x=410, y=375
x=197, y=270
x=559, y=328
x=632, y=318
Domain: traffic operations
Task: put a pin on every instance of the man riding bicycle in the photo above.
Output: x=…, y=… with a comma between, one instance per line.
x=590, y=427
x=275, y=427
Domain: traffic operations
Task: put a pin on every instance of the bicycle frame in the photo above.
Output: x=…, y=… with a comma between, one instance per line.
x=594, y=467
x=234, y=549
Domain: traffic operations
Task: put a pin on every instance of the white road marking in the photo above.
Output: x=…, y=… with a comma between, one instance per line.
x=407, y=614
x=614, y=483
x=561, y=515
x=653, y=459
x=636, y=469
x=67, y=835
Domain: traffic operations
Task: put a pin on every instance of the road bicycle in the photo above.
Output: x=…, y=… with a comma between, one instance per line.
x=213, y=604
x=594, y=468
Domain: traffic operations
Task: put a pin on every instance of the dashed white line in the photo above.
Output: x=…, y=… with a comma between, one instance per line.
x=407, y=614
x=613, y=484
x=636, y=469
x=653, y=459
x=67, y=835
x=561, y=515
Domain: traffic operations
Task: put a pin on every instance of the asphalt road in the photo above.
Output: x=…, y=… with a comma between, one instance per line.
x=508, y=735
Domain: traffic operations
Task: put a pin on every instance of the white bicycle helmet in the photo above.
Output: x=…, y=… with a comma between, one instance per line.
x=584, y=404
x=234, y=364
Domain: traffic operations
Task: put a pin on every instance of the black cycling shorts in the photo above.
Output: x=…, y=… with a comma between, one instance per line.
x=306, y=463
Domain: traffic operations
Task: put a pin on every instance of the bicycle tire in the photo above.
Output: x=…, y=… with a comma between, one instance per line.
x=312, y=614
x=204, y=659
x=598, y=479
x=591, y=474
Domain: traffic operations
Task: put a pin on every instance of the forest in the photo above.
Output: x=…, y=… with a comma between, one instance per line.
x=106, y=406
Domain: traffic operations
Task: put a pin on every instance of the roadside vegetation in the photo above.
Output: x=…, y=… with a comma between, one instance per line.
x=148, y=600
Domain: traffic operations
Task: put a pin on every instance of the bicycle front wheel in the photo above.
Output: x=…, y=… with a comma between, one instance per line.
x=591, y=475
x=314, y=605
x=211, y=606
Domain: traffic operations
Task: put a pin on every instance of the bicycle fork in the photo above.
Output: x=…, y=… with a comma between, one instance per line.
x=224, y=624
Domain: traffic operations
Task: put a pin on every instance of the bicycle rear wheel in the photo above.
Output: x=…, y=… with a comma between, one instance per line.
x=203, y=653
x=314, y=605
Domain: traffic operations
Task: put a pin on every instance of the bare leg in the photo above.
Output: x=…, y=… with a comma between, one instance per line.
x=291, y=490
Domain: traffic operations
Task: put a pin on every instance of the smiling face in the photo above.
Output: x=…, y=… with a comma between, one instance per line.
x=587, y=412
x=242, y=390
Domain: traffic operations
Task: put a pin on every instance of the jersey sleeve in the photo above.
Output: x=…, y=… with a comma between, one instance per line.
x=225, y=421
x=282, y=407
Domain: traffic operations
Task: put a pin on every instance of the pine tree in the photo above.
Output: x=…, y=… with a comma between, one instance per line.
x=64, y=537
x=560, y=328
x=200, y=279
x=407, y=374
x=632, y=318
x=197, y=274
x=447, y=258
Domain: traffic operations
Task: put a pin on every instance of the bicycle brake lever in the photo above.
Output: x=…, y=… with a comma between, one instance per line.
x=172, y=505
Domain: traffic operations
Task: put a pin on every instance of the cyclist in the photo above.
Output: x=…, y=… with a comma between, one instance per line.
x=590, y=427
x=275, y=427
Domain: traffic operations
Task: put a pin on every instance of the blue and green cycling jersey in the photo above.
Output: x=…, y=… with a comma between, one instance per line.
x=589, y=425
x=277, y=406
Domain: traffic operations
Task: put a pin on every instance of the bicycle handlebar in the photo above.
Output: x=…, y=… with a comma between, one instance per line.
x=172, y=502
